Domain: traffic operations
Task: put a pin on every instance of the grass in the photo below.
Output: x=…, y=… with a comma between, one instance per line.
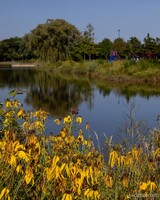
x=118, y=71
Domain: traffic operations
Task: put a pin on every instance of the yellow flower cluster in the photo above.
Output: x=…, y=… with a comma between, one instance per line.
x=67, y=166
x=131, y=157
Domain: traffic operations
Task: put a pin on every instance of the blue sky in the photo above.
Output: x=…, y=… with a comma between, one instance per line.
x=132, y=17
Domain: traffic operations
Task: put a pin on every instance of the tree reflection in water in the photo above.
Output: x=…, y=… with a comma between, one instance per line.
x=49, y=91
x=57, y=93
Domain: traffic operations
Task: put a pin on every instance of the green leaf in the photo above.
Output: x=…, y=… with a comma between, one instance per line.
x=13, y=93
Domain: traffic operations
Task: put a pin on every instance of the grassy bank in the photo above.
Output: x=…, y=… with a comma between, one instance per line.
x=66, y=165
x=143, y=71
x=118, y=71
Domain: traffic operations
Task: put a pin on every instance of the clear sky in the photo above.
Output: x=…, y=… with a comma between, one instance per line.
x=131, y=17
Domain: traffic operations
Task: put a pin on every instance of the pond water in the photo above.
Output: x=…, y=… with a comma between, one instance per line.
x=108, y=107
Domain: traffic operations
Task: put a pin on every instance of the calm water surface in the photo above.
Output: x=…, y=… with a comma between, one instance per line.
x=106, y=106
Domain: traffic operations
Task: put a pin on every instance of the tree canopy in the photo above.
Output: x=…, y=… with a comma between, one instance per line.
x=53, y=40
x=58, y=40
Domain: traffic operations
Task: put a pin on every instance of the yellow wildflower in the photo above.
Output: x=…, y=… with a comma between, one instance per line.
x=121, y=160
x=80, y=135
x=152, y=186
x=67, y=196
x=78, y=181
x=55, y=171
x=9, y=114
x=13, y=161
x=108, y=181
x=19, y=169
x=40, y=114
x=16, y=103
x=8, y=104
x=2, y=145
x=67, y=120
x=89, y=174
x=143, y=186
x=4, y=194
x=23, y=155
x=29, y=176
x=157, y=152
x=69, y=139
x=20, y=113
x=63, y=133
x=57, y=121
x=136, y=153
x=92, y=193
x=18, y=146
x=129, y=159
x=113, y=158
x=87, y=126
x=125, y=181
x=79, y=120
x=6, y=122
x=49, y=173
x=55, y=160
x=7, y=134
x=39, y=125
x=38, y=148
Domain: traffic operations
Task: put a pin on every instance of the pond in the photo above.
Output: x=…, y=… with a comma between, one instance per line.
x=109, y=108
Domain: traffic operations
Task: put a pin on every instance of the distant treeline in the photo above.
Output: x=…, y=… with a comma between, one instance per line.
x=58, y=40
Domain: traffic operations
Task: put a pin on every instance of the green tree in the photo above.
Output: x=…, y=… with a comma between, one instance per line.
x=158, y=48
x=150, y=46
x=104, y=48
x=134, y=47
x=119, y=45
x=53, y=40
x=88, y=45
x=13, y=49
x=89, y=32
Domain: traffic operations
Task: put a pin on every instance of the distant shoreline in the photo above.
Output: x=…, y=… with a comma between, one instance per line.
x=24, y=65
x=4, y=65
x=130, y=72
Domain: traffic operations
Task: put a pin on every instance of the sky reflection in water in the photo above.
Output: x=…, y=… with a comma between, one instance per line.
x=105, y=113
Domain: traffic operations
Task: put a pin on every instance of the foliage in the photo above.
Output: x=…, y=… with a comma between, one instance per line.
x=104, y=48
x=85, y=48
x=58, y=40
x=54, y=40
x=119, y=45
x=67, y=165
x=14, y=49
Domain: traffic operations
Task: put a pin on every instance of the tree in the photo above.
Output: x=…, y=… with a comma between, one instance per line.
x=134, y=47
x=158, y=48
x=150, y=46
x=88, y=44
x=13, y=49
x=53, y=40
x=89, y=32
x=104, y=48
x=119, y=45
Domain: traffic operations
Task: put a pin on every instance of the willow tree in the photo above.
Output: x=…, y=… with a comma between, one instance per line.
x=54, y=40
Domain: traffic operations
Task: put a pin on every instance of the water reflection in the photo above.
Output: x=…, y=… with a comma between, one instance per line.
x=101, y=103
x=49, y=91
x=58, y=93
